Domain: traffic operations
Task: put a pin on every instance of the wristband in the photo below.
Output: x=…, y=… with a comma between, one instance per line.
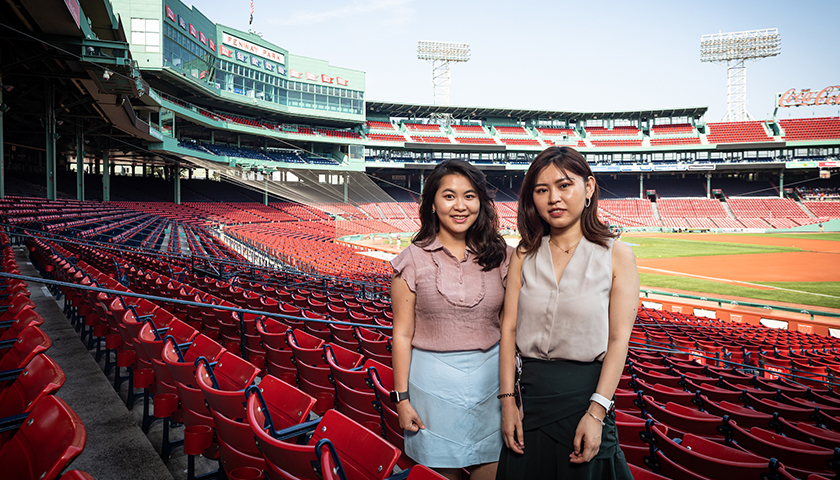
x=503, y=395
x=602, y=401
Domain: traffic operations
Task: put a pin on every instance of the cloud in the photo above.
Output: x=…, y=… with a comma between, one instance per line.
x=391, y=11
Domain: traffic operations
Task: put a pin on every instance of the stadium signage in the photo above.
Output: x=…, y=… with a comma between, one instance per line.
x=263, y=52
x=170, y=14
x=807, y=98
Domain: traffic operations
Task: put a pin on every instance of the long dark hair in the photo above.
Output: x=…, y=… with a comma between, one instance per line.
x=483, y=236
x=531, y=225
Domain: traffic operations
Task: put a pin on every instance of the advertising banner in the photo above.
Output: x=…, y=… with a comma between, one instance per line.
x=225, y=51
x=170, y=14
x=193, y=31
x=311, y=76
x=295, y=74
x=807, y=98
x=341, y=81
x=326, y=78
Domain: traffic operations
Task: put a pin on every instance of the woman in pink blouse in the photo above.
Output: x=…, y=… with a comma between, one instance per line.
x=446, y=295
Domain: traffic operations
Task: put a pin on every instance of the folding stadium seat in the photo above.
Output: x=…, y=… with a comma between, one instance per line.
x=708, y=458
x=683, y=419
x=21, y=390
x=18, y=353
x=278, y=354
x=314, y=372
x=224, y=391
x=361, y=453
x=320, y=329
x=354, y=394
x=76, y=475
x=382, y=379
x=799, y=457
x=640, y=473
x=12, y=328
x=197, y=416
x=344, y=336
x=374, y=345
x=51, y=437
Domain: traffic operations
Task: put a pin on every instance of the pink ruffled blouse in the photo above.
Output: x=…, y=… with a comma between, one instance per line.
x=458, y=305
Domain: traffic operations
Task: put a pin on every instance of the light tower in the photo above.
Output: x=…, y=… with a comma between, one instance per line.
x=734, y=49
x=440, y=54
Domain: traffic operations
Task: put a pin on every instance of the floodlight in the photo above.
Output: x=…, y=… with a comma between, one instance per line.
x=440, y=54
x=734, y=49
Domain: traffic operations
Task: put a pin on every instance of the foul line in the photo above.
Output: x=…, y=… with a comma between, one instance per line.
x=736, y=281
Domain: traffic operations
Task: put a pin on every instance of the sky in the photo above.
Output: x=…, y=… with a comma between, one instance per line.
x=551, y=55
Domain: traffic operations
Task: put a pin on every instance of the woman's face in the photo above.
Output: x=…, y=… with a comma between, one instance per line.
x=456, y=205
x=559, y=197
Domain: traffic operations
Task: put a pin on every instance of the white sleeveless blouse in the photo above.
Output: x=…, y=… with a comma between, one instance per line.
x=568, y=320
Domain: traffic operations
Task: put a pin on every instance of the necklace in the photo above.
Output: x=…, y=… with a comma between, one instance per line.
x=566, y=251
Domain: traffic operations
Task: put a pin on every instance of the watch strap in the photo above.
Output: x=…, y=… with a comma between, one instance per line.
x=397, y=397
x=602, y=401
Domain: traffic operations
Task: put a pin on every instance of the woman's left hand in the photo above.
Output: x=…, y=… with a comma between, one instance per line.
x=587, y=440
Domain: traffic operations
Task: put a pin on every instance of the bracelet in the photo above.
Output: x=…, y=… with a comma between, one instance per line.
x=596, y=418
x=503, y=395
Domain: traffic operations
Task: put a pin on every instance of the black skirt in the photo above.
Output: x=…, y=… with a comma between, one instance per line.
x=555, y=395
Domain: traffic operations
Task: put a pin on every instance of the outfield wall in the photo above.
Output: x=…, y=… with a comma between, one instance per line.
x=731, y=312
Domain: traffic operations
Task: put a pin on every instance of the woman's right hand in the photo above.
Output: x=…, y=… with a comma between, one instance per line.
x=409, y=420
x=512, y=426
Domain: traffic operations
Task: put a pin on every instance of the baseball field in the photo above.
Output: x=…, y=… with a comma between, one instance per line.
x=794, y=269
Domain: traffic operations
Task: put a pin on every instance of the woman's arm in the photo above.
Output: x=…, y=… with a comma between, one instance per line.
x=511, y=420
x=402, y=304
x=624, y=304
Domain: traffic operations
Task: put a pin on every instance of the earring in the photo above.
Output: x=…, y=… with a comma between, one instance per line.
x=433, y=209
x=588, y=202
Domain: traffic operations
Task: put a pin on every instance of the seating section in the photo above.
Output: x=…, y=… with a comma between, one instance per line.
x=737, y=132
x=824, y=210
x=672, y=129
x=430, y=139
x=777, y=212
x=386, y=137
x=510, y=130
x=41, y=434
x=628, y=213
x=469, y=129
x=379, y=125
x=617, y=143
x=711, y=399
x=614, y=132
x=423, y=127
x=803, y=129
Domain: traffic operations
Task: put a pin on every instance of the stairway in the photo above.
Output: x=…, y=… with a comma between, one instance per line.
x=656, y=212
x=728, y=210
x=805, y=209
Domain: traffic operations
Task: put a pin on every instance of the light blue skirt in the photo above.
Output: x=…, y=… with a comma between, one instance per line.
x=454, y=393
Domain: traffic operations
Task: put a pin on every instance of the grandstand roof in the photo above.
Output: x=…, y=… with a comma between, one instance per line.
x=415, y=110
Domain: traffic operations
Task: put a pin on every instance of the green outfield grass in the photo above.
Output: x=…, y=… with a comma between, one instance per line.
x=716, y=288
x=832, y=237
x=656, y=247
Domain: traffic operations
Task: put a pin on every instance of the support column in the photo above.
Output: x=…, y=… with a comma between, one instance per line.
x=176, y=179
x=80, y=163
x=422, y=180
x=106, y=173
x=265, y=190
x=212, y=136
x=708, y=185
x=2, y=146
x=642, y=185
x=782, y=185
x=49, y=128
x=346, y=183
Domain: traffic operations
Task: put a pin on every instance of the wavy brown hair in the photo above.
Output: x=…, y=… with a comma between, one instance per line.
x=483, y=236
x=531, y=225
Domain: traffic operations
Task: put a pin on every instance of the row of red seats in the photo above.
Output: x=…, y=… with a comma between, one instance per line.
x=210, y=394
x=40, y=434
